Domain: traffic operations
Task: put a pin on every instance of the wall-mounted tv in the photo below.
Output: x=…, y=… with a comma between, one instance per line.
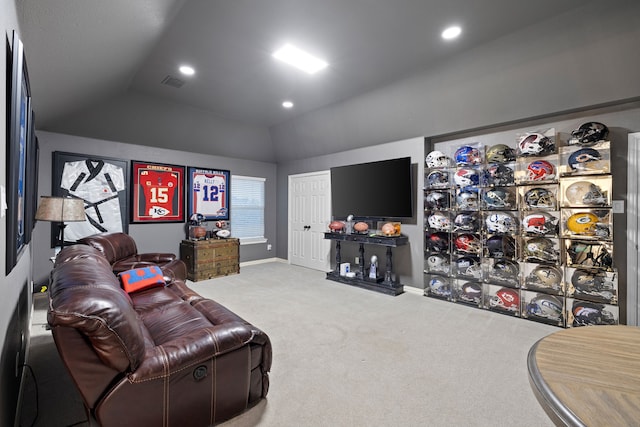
x=379, y=189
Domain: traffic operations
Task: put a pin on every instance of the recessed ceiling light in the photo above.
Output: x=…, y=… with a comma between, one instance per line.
x=287, y=104
x=299, y=59
x=451, y=32
x=187, y=70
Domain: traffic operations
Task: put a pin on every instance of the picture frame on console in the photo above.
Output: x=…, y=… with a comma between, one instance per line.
x=157, y=194
x=102, y=182
x=19, y=221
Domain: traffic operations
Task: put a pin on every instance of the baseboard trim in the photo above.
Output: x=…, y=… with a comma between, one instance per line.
x=263, y=261
x=413, y=290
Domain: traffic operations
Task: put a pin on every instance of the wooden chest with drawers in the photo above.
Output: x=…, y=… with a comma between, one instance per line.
x=206, y=259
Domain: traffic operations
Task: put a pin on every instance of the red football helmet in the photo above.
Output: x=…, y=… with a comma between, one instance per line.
x=506, y=299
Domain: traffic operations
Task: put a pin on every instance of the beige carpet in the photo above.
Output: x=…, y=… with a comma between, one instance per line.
x=345, y=356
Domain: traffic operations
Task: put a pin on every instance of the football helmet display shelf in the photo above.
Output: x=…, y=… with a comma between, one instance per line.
x=524, y=231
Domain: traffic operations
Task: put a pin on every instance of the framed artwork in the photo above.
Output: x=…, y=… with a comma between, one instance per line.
x=19, y=116
x=102, y=182
x=208, y=193
x=158, y=192
x=33, y=161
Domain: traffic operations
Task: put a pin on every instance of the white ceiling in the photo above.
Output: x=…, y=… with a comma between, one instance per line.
x=81, y=52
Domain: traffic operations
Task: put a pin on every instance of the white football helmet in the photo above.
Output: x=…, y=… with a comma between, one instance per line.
x=437, y=159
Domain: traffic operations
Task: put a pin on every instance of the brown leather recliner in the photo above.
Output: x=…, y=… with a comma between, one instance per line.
x=122, y=253
x=164, y=356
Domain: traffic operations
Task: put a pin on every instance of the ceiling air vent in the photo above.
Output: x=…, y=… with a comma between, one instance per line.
x=172, y=81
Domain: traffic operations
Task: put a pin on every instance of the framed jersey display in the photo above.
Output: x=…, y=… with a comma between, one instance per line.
x=102, y=182
x=158, y=192
x=208, y=193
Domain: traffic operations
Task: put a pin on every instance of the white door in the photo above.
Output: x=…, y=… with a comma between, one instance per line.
x=309, y=215
x=633, y=229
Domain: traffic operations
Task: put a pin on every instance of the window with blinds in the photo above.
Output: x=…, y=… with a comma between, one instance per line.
x=247, y=208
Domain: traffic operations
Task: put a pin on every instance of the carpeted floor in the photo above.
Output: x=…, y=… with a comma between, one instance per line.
x=344, y=356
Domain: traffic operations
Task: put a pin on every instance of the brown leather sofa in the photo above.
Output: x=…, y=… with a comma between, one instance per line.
x=122, y=253
x=164, y=356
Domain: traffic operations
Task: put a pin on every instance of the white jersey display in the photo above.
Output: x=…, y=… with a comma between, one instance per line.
x=209, y=191
x=98, y=184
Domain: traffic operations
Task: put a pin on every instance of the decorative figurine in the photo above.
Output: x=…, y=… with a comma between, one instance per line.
x=373, y=269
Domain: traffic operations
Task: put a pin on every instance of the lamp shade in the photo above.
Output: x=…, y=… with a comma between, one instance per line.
x=60, y=209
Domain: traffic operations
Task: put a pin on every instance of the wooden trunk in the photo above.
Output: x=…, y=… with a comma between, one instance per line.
x=206, y=259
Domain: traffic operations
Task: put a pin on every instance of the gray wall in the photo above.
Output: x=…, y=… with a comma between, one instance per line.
x=407, y=260
x=15, y=293
x=140, y=119
x=572, y=62
x=575, y=60
x=149, y=237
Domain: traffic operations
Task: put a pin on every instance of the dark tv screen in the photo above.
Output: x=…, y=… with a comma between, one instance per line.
x=373, y=190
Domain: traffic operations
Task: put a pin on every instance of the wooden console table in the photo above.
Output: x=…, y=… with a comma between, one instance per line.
x=387, y=285
x=588, y=376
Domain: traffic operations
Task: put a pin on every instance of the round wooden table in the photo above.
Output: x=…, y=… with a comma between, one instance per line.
x=588, y=376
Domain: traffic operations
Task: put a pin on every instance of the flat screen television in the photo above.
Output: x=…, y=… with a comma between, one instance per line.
x=379, y=189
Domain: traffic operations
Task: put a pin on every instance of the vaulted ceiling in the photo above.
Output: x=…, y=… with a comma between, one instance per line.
x=81, y=53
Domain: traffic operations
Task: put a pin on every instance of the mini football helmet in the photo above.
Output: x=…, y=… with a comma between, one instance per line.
x=589, y=255
x=438, y=179
x=466, y=221
x=540, y=223
x=468, y=156
x=471, y=292
x=505, y=270
x=535, y=144
x=589, y=133
x=539, y=197
x=590, y=281
x=469, y=266
x=465, y=177
x=439, y=287
x=505, y=299
x=546, y=307
x=468, y=243
x=540, y=249
x=585, y=193
x=540, y=170
x=501, y=246
x=439, y=221
x=582, y=223
x=437, y=159
x=438, y=263
x=438, y=242
x=467, y=199
x=500, y=153
x=501, y=223
x=589, y=313
x=437, y=200
x=498, y=198
x=579, y=159
x=545, y=277
x=498, y=174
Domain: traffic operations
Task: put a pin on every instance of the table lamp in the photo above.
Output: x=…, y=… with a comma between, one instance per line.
x=60, y=210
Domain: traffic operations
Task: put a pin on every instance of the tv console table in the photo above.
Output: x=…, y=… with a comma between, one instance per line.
x=387, y=285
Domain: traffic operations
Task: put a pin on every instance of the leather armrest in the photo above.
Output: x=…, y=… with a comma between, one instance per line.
x=191, y=349
x=158, y=258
